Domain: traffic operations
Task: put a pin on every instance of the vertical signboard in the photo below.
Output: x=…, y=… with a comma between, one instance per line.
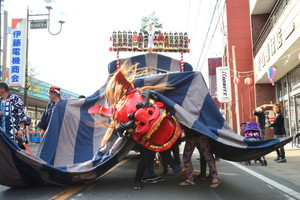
x=18, y=53
x=223, y=84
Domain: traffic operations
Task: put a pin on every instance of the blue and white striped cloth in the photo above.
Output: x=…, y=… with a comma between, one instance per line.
x=69, y=154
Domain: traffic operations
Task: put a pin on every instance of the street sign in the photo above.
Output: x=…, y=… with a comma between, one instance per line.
x=38, y=24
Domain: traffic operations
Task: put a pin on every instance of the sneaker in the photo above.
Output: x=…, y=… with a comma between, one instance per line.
x=149, y=180
x=136, y=185
x=201, y=176
x=158, y=178
x=177, y=170
x=276, y=159
x=183, y=172
x=164, y=174
x=281, y=160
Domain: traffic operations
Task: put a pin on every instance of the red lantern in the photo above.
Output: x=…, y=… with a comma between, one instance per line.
x=248, y=81
x=236, y=80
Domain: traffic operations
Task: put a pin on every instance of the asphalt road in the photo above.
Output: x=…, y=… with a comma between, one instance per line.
x=238, y=181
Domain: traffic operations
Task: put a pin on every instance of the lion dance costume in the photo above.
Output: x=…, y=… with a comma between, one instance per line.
x=138, y=113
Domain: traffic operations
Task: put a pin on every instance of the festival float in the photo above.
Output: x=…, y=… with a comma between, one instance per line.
x=147, y=99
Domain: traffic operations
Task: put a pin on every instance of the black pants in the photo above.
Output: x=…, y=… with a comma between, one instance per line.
x=202, y=162
x=176, y=154
x=167, y=159
x=147, y=156
x=280, y=151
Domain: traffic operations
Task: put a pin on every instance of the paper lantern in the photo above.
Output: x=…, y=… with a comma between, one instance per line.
x=248, y=81
x=236, y=80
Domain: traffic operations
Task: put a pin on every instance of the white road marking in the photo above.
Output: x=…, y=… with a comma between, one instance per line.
x=279, y=186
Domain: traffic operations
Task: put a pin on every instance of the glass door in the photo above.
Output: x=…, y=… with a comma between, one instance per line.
x=292, y=125
x=297, y=113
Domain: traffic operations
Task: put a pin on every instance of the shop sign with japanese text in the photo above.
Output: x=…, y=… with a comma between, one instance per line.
x=18, y=53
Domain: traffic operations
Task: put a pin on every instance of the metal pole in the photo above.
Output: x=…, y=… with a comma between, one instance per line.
x=236, y=92
x=1, y=35
x=36, y=119
x=26, y=66
x=4, y=64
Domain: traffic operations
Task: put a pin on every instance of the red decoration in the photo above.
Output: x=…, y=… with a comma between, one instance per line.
x=236, y=80
x=152, y=126
x=248, y=81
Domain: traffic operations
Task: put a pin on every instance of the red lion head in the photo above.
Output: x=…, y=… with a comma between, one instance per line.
x=140, y=114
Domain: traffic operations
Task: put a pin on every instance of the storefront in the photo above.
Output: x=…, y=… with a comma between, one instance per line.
x=288, y=94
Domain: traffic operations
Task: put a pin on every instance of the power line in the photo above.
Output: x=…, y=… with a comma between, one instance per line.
x=196, y=24
x=197, y=19
x=188, y=18
x=207, y=33
x=212, y=37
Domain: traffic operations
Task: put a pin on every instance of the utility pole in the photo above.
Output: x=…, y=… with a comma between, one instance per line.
x=26, y=65
x=236, y=92
x=49, y=8
x=4, y=59
x=1, y=34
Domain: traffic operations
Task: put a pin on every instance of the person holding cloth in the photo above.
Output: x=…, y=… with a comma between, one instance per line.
x=261, y=119
x=13, y=115
x=195, y=139
x=279, y=131
x=54, y=96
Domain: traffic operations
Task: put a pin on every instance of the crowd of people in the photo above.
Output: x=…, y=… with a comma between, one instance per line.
x=13, y=121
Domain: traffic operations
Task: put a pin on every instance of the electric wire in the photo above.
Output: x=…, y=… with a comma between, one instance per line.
x=198, y=40
x=215, y=8
x=188, y=18
x=212, y=37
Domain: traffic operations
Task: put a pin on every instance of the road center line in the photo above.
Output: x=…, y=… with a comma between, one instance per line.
x=72, y=190
x=279, y=186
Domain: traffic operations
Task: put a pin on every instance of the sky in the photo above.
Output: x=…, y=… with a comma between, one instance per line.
x=77, y=58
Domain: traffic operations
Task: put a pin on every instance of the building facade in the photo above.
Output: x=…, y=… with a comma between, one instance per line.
x=276, y=47
x=238, y=57
x=263, y=43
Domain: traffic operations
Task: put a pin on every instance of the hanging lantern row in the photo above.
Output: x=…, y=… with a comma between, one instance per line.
x=248, y=81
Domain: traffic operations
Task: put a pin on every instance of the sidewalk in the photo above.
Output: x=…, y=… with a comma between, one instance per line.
x=289, y=170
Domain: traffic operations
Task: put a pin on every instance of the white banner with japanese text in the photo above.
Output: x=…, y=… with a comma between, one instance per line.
x=18, y=53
